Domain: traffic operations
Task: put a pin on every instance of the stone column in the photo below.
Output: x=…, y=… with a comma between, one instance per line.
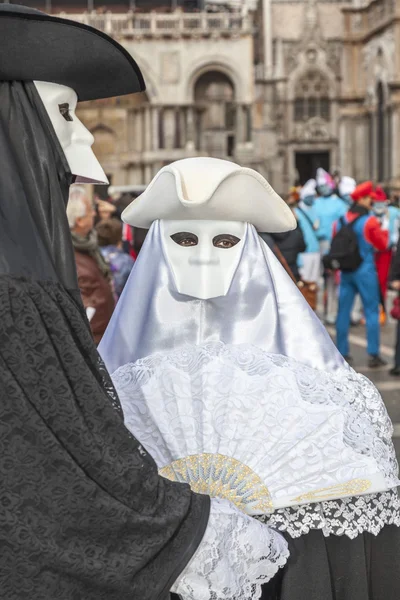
x=169, y=127
x=138, y=130
x=190, y=128
x=200, y=130
x=267, y=29
x=395, y=150
x=240, y=124
x=147, y=128
x=248, y=127
x=155, y=127
x=182, y=121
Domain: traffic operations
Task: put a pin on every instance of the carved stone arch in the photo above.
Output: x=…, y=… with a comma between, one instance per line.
x=219, y=115
x=220, y=65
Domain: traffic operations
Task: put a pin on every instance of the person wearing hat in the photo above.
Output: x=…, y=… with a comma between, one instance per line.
x=310, y=260
x=291, y=244
x=328, y=208
x=84, y=513
x=225, y=372
x=371, y=237
x=388, y=217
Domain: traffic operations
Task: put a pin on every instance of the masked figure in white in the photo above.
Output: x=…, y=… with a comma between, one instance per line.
x=233, y=385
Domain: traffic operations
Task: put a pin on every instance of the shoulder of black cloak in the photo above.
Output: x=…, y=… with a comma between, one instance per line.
x=90, y=517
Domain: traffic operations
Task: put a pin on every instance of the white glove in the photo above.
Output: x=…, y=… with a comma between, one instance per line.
x=236, y=556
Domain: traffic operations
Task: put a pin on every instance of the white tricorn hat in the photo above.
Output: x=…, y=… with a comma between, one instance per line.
x=210, y=189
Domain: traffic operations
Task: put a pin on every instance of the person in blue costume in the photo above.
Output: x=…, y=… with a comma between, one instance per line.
x=309, y=261
x=328, y=208
x=364, y=281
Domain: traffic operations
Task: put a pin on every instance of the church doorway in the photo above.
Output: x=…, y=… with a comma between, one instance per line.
x=307, y=164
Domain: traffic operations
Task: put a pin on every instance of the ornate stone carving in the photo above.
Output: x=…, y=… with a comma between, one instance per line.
x=333, y=56
x=378, y=56
x=312, y=130
x=291, y=56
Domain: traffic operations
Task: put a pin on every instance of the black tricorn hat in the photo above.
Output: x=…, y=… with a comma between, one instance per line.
x=35, y=46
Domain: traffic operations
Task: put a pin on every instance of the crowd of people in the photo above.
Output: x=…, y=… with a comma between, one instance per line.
x=354, y=294
x=103, y=266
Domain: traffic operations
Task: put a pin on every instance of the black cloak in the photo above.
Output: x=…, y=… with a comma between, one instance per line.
x=83, y=512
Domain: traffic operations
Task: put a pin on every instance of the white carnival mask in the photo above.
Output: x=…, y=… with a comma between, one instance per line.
x=203, y=255
x=76, y=141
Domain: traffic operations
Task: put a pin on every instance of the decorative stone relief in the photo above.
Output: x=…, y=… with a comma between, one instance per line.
x=313, y=130
x=291, y=56
x=378, y=56
x=333, y=56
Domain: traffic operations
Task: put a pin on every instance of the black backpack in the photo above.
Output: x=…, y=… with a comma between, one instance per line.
x=344, y=253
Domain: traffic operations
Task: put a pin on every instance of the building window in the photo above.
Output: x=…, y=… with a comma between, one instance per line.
x=312, y=97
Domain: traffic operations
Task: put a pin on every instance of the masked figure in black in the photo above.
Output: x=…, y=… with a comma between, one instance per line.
x=83, y=512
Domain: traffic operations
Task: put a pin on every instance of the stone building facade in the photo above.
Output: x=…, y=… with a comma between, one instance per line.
x=283, y=86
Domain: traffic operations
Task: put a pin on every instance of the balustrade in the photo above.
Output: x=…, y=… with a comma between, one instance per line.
x=159, y=24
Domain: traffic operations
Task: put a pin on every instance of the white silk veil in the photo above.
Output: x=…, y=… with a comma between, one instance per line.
x=263, y=307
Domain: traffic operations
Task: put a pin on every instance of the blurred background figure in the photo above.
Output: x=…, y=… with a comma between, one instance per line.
x=395, y=285
x=94, y=274
x=345, y=188
x=328, y=209
x=109, y=235
x=383, y=258
x=291, y=243
x=105, y=210
x=371, y=236
x=309, y=261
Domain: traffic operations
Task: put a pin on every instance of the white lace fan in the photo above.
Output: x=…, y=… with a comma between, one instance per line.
x=233, y=422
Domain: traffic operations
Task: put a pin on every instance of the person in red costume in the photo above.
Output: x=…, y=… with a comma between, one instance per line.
x=371, y=236
x=383, y=258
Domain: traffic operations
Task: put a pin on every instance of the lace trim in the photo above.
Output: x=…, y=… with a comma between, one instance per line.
x=245, y=403
x=236, y=556
x=348, y=516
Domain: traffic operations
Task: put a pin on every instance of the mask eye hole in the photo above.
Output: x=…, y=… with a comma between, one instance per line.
x=225, y=240
x=65, y=111
x=185, y=238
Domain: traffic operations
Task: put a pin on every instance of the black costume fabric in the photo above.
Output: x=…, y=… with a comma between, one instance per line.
x=83, y=512
x=339, y=568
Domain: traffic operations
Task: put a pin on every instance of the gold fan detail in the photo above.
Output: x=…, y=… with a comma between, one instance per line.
x=223, y=477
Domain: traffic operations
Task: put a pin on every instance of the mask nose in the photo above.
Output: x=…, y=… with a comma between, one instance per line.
x=205, y=255
x=203, y=261
x=81, y=134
